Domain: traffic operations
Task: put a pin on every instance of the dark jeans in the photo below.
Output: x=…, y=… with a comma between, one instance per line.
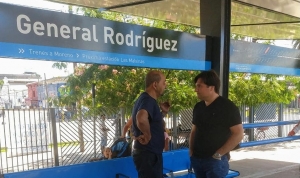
x=210, y=167
x=148, y=164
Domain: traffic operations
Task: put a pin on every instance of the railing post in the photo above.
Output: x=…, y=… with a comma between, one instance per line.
x=94, y=119
x=54, y=136
x=175, y=133
x=80, y=129
x=251, y=120
x=121, y=122
x=1, y=173
x=280, y=118
x=94, y=132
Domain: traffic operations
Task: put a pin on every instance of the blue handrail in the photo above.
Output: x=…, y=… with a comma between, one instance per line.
x=269, y=141
x=264, y=142
x=268, y=124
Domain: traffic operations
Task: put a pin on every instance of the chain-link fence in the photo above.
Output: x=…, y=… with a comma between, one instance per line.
x=267, y=113
x=179, y=128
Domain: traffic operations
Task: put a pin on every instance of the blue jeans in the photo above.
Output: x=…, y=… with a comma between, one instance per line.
x=210, y=167
x=148, y=164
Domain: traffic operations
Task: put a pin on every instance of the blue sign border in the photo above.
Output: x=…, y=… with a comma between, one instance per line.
x=252, y=68
x=12, y=50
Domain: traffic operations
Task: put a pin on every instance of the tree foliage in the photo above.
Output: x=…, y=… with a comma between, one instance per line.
x=60, y=65
x=255, y=89
x=119, y=87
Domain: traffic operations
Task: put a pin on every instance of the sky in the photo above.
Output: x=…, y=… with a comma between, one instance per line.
x=19, y=66
x=39, y=4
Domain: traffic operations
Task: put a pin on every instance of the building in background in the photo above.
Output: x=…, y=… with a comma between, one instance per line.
x=48, y=90
x=14, y=90
x=32, y=100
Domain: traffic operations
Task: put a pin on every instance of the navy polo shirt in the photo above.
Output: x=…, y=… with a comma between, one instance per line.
x=156, y=144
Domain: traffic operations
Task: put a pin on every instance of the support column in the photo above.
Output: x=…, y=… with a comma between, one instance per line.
x=215, y=18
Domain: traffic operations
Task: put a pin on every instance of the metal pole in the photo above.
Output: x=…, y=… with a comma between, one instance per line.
x=1, y=173
x=94, y=125
x=8, y=97
x=54, y=136
x=280, y=118
x=251, y=120
x=225, y=46
x=46, y=89
x=121, y=119
x=175, y=131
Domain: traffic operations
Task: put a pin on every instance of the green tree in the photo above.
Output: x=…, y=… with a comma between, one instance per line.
x=119, y=87
x=255, y=89
x=60, y=65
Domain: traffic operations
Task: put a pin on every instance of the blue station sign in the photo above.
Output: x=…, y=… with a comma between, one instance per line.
x=47, y=35
x=263, y=58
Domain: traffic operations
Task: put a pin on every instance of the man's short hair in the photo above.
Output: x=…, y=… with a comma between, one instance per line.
x=152, y=76
x=209, y=78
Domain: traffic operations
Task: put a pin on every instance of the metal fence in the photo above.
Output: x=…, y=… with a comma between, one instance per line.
x=83, y=136
x=182, y=123
x=254, y=114
x=268, y=113
x=41, y=138
x=25, y=140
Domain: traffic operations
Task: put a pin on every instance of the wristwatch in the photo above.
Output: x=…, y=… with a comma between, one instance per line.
x=217, y=156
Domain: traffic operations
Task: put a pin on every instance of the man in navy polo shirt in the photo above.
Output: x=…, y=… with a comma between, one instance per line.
x=148, y=128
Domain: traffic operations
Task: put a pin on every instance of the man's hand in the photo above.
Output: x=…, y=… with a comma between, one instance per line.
x=165, y=107
x=291, y=133
x=143, y=139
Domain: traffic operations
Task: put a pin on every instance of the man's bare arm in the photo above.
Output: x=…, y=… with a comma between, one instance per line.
x=235, y=138
x=126, y=127
x=142, y=122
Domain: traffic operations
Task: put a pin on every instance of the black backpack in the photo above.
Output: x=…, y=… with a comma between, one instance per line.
x=121, y=148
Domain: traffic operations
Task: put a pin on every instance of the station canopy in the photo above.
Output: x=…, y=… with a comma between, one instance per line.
x=260, y=19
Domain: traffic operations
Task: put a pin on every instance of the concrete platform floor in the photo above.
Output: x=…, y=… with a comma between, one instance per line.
x=279, y=160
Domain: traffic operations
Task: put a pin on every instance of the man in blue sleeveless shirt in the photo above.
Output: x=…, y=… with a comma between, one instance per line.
x=148, y=128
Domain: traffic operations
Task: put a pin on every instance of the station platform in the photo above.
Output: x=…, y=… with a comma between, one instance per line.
x=278, y=160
